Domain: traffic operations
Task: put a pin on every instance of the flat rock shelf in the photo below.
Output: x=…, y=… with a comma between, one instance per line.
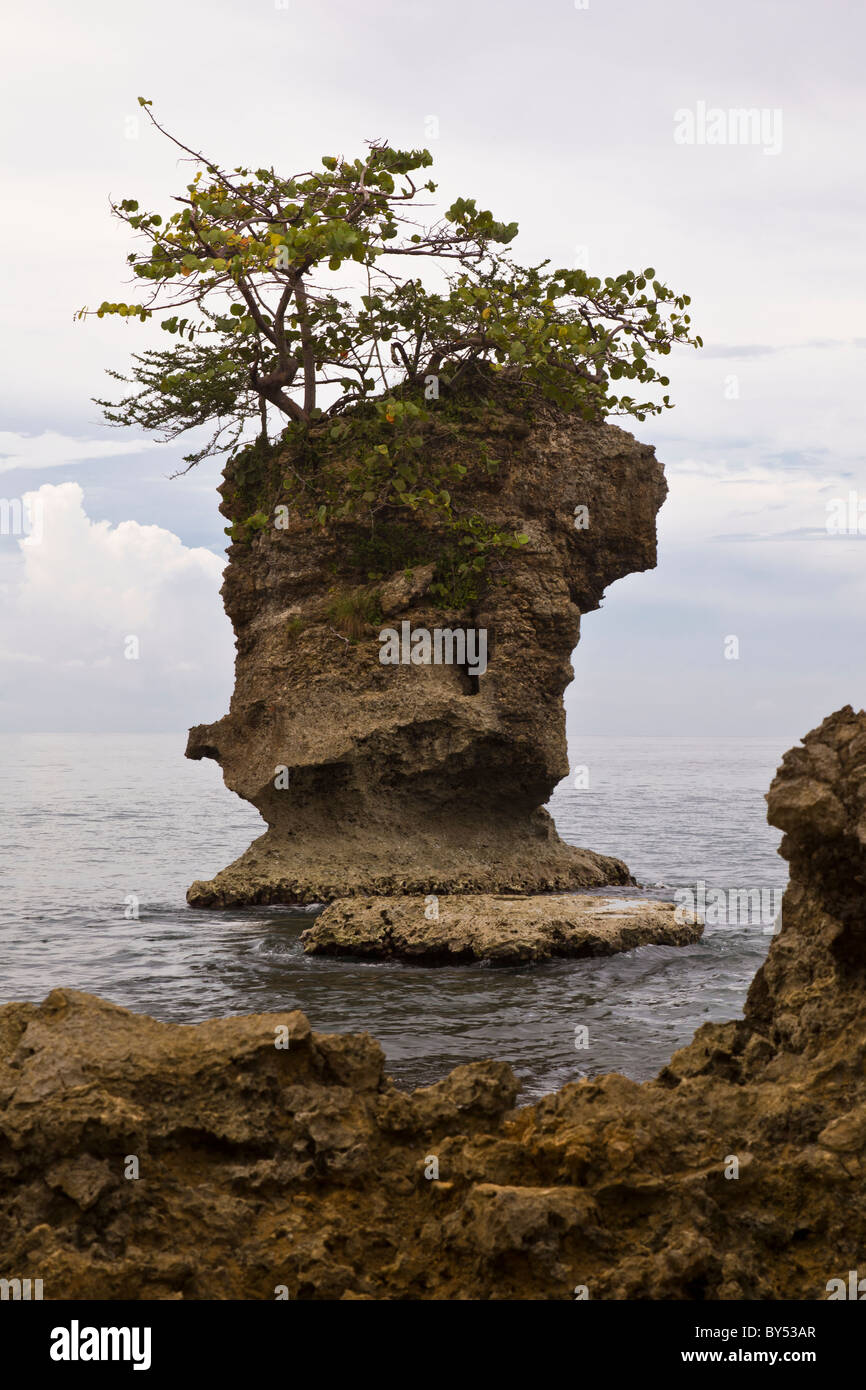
x=506, y=930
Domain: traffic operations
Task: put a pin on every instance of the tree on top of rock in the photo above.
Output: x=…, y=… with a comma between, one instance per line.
x=303, y=296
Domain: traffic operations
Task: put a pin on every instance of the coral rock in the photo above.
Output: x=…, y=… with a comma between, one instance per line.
x=504, y=930
x=736, y=1174
x=408, y=779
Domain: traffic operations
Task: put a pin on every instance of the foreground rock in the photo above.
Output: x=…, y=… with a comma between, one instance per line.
x=504, y=930
x=415, y=779
x=737, y=1174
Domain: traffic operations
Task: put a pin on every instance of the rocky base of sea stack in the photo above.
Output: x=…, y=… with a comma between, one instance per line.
x=252, y=1158
x=440, y=863
x=505, y=930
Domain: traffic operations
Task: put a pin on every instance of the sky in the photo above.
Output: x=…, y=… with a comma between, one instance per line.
x=597, y=126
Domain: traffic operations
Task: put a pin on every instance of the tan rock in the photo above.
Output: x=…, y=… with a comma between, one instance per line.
x=847, y=1134
x=806, y=805
x=415, y=779
x=404, y=589
x=506, y=930
x=306, y=1167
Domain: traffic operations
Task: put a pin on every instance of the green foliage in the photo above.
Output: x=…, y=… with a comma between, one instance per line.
x=246, y=529
x=460, y=551
x=187, y=387
x=371, y=372
x=390, y=546
x=377, y=460
x=255, y=481
x=463, y=564
x=243, y=274
x=352, y=613
x=336, y=479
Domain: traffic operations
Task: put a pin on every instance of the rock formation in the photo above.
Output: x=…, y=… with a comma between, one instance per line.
x=403, y=779
x=265, y=1170
x=495, y=928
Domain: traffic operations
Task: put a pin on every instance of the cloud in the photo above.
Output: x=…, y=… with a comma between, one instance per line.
x=590, y=165
x=109, y=627
x=52, y=450
x=765, y=350
x=743, y=350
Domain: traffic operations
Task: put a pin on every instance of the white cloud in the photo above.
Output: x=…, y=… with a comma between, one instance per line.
x=769, y=249
x=52, y=450
x=75, y=597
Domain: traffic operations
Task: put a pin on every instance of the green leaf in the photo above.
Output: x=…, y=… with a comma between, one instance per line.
x=543, y=322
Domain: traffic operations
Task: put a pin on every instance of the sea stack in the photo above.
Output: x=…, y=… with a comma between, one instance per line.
x=381, y=777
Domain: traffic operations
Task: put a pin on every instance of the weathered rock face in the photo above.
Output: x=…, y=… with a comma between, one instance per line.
x=421, y=778
x=302, y=1168
x=490, y=927
x=811, y=988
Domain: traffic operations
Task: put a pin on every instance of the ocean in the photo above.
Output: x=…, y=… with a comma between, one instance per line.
x=95, y=824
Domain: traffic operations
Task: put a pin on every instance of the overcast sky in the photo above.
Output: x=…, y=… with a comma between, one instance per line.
x=574, y=121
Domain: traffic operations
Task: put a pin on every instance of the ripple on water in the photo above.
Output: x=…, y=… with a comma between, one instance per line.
x=130, y=819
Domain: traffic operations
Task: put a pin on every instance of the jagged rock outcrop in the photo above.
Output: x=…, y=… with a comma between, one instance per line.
x=737, y=1173
x=495, y=928
x=810, y=989
x=407, y=779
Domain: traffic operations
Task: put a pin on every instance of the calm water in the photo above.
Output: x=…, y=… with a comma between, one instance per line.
x=91, y=819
